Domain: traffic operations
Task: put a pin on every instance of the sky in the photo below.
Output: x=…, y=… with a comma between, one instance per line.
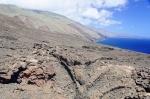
x=119, y=17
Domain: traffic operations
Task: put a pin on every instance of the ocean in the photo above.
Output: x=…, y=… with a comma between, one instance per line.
x=138, y=45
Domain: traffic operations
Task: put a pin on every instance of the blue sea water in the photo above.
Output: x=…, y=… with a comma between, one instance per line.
x=138, y=45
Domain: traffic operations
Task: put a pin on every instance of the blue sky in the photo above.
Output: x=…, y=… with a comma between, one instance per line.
x=135, y=20
x=118, y=17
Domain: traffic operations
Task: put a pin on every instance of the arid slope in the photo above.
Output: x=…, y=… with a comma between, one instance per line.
x=47, y=56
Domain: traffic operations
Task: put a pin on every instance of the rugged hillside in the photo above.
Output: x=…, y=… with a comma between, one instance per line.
x=50, y=24
x=47, y=56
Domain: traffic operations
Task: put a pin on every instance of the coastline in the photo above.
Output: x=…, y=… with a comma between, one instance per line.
x=126, y=43
x=36, y=62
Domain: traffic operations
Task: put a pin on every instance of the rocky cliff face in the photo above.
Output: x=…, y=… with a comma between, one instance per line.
x=47, y=56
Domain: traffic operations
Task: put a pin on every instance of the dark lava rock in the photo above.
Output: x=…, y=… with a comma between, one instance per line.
x=142, y=78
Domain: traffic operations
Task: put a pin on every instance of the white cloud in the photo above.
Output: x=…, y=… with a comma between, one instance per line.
x=83, y=11
x=103, y=16
x=92, y=13
x=115, y=3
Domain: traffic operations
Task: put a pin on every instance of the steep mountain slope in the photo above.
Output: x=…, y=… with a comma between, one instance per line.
x=47, y=22
x=47, y=56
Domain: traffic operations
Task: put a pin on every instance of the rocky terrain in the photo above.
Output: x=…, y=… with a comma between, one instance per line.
x=47, y=56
